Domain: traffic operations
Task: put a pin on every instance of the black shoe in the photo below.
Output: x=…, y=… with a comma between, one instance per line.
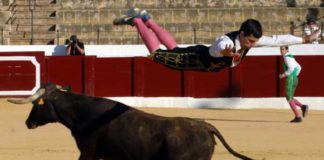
x=296, y=120
x=304, y=109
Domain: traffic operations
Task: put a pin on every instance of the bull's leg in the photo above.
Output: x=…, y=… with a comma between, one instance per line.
x=88, y=153
x=86, y=157
x=87, y=147
x=191, y=154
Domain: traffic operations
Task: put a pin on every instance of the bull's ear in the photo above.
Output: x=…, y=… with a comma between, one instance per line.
x=40, y=102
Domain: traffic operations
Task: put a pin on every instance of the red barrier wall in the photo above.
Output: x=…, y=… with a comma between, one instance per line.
x=153, y=80
x=256, y=76
x=18, y=71
x=111, y=77
x=65, y=70
x=22, y=72
x=311, y=77
x=207, y=84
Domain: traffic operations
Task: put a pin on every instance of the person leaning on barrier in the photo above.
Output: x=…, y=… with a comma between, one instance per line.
x=74, y=47
x=311, y=27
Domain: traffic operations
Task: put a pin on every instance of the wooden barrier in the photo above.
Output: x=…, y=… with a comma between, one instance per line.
x=21, y=73
x=65, y=70
x=256, y=76
x=110, y=77
x=154, y=80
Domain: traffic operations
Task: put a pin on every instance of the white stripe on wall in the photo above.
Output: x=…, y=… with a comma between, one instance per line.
x=315, y=103
x=33, y=60
x=141, y=51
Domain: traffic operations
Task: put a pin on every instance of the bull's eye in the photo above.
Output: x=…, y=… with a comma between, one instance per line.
x=40, y=102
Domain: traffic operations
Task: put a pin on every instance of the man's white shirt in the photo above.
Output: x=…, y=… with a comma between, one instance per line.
x=291, y=64
x=275, y=40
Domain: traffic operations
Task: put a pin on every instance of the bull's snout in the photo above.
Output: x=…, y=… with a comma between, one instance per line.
x=31, y=125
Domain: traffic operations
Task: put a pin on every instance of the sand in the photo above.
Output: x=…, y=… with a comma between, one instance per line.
x=258, y=133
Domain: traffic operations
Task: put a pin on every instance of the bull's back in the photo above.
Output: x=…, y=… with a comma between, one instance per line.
x=133, y=134
x=189, y=139
x=148, y=136
x=179, y=137
x=175, y=137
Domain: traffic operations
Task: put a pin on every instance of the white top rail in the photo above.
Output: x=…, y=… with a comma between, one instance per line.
x=141, y=51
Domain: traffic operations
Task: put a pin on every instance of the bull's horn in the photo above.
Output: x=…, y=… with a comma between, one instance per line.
x=58, y=86
x=61, y=88
x=29, y=99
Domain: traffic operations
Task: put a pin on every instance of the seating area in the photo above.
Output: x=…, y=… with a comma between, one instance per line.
x=193, y=21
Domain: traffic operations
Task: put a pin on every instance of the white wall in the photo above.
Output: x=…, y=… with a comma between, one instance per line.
x=140, y=50
x=315, y=103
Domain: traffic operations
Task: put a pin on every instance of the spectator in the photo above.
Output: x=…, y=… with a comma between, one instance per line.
x=74, y=47
x=291, y=72
x=310, y=28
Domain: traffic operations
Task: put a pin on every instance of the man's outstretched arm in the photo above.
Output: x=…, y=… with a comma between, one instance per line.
x=279, y=40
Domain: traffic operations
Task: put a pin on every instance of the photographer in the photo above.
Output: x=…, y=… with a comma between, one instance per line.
x=75, y=47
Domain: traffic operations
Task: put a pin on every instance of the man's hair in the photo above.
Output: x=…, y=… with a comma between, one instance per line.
x=285, y=46
x=311, y=20
x=251, y=26
x=73, y=37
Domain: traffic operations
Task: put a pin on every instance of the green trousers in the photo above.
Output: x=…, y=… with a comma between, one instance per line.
x=291, y=85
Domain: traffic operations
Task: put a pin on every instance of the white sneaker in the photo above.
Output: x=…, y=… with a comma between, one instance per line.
x=128, y=17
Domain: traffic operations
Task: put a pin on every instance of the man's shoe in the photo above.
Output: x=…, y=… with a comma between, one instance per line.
x=128, y=17
x=145, y=15
x=296, y=120
x=304, y=109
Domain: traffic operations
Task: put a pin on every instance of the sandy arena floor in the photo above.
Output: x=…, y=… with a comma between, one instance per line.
x=261, y=134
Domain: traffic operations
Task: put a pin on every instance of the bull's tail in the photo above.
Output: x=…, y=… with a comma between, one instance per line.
x=212, y=129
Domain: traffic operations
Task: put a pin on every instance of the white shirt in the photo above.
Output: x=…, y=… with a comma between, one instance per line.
x=291, y=64
x=275, y=40
x=308, y=30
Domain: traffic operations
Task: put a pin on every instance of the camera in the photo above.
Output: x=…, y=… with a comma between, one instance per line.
x=73, y=39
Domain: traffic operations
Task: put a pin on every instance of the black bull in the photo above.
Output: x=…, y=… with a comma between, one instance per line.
x=106, y=129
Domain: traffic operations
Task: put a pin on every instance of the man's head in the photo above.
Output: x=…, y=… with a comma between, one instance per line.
x=74, y=39
x=250, y=32
x=311, y=21
x=283, y=50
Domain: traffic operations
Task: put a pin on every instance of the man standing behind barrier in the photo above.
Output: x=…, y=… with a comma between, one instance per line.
x=75, y=47
x=226, y=51
x=292, y=70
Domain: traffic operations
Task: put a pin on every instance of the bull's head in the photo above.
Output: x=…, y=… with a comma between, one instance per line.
x=43, y=111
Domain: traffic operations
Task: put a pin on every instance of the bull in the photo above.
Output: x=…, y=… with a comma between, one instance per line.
x=107, y=129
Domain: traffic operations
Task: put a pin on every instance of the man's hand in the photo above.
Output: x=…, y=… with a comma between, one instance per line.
x=236, y=57
x=228, y=51
x=282, y=76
